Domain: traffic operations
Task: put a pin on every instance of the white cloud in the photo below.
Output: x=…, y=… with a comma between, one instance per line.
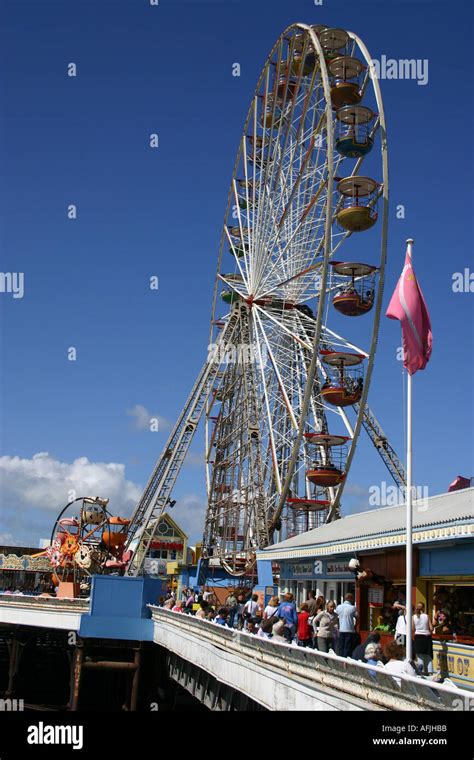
x=143, y=418
x=45, y=483
x=33, y=491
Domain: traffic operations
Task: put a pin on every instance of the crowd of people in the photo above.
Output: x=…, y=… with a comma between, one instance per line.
x=317, y=623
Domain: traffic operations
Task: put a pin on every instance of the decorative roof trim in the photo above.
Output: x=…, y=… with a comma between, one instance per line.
x=349, y=546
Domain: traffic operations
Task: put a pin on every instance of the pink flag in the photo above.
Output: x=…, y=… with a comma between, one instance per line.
x=408, y=306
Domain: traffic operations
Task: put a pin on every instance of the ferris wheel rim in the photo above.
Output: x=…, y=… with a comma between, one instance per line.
x=326, y=260
x=383, y=260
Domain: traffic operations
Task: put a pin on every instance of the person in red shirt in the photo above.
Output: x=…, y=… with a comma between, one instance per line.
x=304, y=631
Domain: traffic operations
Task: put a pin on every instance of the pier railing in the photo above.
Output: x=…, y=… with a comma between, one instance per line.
x=42, y=611
x=348, y=682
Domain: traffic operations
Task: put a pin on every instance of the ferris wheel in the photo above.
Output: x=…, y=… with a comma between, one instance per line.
x=284, y=387
x=86, y=543
x=280, y=437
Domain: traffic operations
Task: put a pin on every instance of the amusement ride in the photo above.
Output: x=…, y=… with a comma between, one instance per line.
x=282, y=391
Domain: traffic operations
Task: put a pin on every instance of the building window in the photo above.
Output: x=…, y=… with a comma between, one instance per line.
x=452, y=608
x=164, y=529
x=159, y=554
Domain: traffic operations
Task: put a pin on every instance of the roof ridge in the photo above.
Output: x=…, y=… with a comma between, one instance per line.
x=403, y=504
x=442, y=516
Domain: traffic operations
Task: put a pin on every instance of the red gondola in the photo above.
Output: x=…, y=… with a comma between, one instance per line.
x=325, y=475
x=346, y=388
x=324, y=472
x=355, y=296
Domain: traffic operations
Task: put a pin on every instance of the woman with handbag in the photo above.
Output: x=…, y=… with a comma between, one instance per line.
x=315, y=606
x=251, y=609
x=271, y=608
x=324, y=625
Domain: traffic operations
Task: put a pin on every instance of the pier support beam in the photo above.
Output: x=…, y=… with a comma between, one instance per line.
x=76, y=676
x=15, y=651
x=84, y=660
x=136, y=678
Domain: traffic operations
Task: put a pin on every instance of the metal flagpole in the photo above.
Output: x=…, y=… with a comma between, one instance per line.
x=409, y=508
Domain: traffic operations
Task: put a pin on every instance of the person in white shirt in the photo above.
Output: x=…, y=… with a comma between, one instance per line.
x=208, y=595
x=394, y=653
x=423, y=644
x=347, y=615
x=271, y=608
x=250, y=610
x=399, y=606
x=401, y=629
x=265, y=629
x=277, y=632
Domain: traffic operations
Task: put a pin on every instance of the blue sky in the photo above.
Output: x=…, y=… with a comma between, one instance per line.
x=144, y=212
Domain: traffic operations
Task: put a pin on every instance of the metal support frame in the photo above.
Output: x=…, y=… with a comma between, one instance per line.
x=83, y=663
x=158, y=489
x=382, y=444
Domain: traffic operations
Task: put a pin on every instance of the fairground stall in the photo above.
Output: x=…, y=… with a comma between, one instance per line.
x=443, y=561
x=20, y=572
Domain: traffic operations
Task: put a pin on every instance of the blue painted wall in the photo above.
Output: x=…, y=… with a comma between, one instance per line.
x=452, y=560
x=264, y=572
x=118, y=608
